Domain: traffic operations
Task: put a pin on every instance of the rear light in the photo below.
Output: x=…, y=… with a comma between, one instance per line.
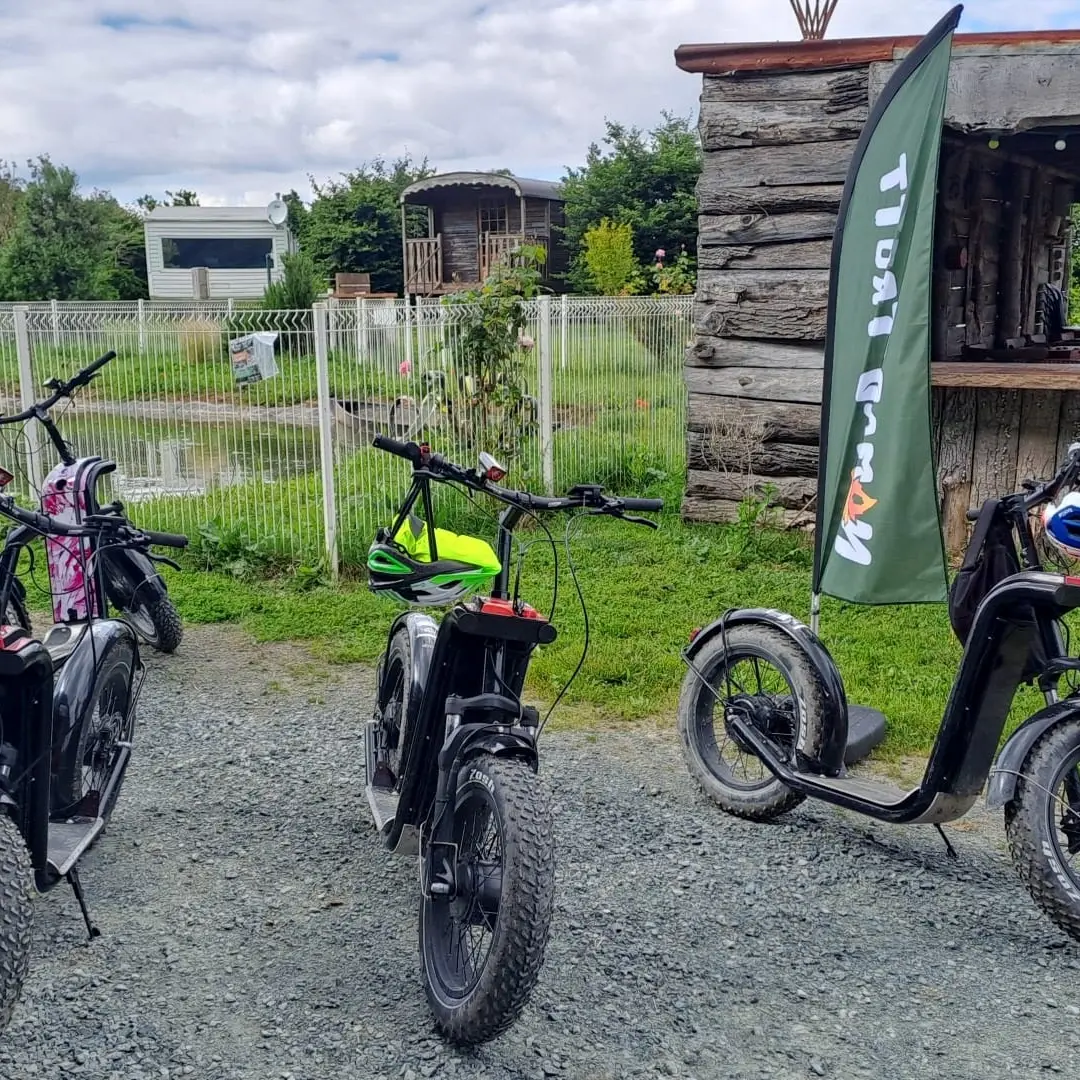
x=1073, y=581
x=495, y=474
x=5, y=477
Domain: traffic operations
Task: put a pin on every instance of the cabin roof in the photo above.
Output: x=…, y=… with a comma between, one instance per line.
x=830, y=54
x=520, y=186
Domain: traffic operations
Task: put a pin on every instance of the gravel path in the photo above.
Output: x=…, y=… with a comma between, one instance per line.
x=254, y=929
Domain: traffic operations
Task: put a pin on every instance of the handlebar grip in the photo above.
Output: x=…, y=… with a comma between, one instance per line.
x=642, y=504
x=100, y=362
x=173, y=540
x=410, y=451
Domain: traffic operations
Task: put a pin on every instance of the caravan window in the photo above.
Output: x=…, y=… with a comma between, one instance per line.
x=217, y=253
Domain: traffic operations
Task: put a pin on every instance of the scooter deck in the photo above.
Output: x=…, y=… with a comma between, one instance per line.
x=383, y=806
x=68, y=841
x=861, y=787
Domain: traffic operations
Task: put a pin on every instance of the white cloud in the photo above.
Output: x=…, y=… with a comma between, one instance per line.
x=243, y=98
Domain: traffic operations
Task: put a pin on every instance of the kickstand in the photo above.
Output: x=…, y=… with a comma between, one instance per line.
x=76, y=888
x=949, y=849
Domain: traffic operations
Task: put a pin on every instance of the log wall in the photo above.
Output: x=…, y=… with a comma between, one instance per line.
x=776, y=153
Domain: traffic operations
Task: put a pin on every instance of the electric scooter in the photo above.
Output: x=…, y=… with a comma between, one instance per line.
x=67, y=722
x=452, y=757
x=783, y=716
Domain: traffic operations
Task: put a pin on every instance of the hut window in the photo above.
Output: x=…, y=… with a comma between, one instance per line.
x=217, y=253
x=493, y=216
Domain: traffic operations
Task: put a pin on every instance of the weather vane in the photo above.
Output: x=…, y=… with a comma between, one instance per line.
x=813, y=16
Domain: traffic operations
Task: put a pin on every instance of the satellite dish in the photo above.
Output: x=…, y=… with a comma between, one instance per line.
x=277, y=212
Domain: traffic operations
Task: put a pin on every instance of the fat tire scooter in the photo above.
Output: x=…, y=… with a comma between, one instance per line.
x=764, y=689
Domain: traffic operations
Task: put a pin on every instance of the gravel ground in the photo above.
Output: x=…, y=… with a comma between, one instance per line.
x=254, y=929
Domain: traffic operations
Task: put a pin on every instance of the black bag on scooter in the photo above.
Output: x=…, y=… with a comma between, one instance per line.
x=989, y=559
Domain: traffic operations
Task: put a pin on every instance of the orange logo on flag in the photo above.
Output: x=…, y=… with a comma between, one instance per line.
x=857, y=502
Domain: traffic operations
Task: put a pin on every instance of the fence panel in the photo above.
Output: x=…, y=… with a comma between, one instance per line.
x=191, y=445
x=603, y=401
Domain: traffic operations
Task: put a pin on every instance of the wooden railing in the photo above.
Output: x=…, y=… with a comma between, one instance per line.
x=423, y=264
x=498, y=248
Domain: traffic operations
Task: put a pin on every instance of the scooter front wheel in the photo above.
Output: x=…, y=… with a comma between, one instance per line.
x=764, y=675
x=1042, y=823
x=483, y=941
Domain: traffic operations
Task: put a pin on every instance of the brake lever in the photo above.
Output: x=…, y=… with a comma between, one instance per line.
x=163, y=559
x=634, y=520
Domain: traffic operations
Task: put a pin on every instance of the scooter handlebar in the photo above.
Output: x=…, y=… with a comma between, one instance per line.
x=171, y=540
x=410, y=451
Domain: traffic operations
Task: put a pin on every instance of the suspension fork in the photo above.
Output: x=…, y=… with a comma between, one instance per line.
x=15, y=541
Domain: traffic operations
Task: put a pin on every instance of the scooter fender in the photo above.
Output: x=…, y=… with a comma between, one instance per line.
x=131, y=573
x=465, y=744
x=74, y=688
x=1001, y=788
x=830, y=760
x=422, y=630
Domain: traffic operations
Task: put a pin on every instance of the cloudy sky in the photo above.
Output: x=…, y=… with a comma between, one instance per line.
x=242, y=98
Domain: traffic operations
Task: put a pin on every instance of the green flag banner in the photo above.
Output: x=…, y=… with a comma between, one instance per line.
x=878, y=538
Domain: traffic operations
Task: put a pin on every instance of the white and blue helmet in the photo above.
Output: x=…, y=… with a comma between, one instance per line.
x=1062, y=523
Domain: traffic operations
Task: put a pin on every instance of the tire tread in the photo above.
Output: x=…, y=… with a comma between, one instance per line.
x=525, y=909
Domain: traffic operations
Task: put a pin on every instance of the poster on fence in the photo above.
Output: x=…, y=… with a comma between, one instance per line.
x=253, y=358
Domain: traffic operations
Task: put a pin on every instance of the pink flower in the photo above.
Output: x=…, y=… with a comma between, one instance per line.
x=660, y=253
x=405, y=367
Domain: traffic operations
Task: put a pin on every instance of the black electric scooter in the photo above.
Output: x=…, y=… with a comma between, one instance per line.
x=452, y=761
x=67, y=719
x=783, y=713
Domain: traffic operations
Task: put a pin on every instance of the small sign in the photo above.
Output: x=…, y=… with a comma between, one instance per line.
x=253, y=358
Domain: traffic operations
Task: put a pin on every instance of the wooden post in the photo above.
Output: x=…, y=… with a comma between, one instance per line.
x=404, y=253
x=1010, y=320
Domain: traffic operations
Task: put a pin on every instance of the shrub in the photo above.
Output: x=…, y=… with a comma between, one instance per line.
x=199, y=341
x=299, y=287
x=609, y=259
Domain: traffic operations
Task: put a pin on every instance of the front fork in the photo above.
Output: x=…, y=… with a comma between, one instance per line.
x=441, y=871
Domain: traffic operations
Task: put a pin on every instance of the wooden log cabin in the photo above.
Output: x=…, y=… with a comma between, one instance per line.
x=778, y=125
x=475, y=220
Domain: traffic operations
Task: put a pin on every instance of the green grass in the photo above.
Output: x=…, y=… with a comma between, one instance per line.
x=645, y=592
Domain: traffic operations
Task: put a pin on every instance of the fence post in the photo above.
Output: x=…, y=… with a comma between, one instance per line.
x=27, y=396
x=142, y=325
x=326, y=434
x=228, y=308
x=547, y=433
x=408, y=333
x=362, y=347
x=564, y=331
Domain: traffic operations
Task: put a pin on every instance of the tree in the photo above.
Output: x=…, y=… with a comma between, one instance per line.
x=64, y=246
x=183, y=197
x=354, y=224
x=643, y=179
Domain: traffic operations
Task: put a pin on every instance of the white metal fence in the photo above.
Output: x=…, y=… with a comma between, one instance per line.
x=285, y=466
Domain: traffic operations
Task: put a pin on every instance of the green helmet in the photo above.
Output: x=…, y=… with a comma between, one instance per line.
x=401, y=564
